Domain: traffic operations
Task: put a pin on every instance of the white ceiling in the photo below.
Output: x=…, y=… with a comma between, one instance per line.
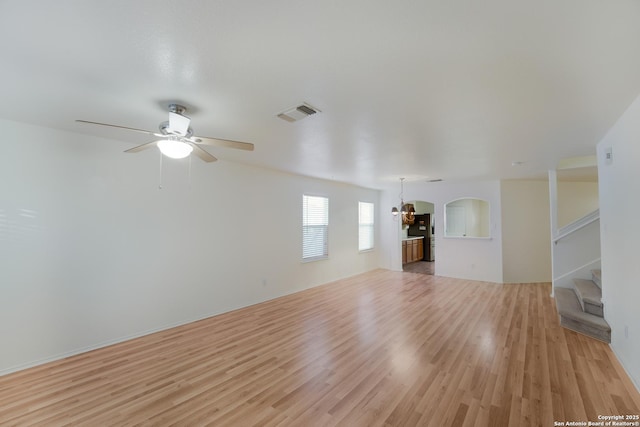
x=422, y=89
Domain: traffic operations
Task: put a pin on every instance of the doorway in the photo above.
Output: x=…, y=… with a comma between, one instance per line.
x=418, y=242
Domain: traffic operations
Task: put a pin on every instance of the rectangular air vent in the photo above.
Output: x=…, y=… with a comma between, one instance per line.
x=298, y=113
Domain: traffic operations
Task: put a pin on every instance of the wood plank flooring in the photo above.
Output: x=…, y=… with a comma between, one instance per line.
x=379, y=349
x=421, y=267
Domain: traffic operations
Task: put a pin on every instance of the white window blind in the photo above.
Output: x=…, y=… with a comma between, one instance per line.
x=315, y=224
x=365, y=221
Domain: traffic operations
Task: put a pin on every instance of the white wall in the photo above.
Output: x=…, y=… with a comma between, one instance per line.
x=620, y=237
x=575, y=200
x=92, y=252
x=390, y=232
x=526, y=233
x=465, y=258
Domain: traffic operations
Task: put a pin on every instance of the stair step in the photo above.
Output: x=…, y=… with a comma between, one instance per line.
x=596, y=276
x=572, y=317
x=589, y=296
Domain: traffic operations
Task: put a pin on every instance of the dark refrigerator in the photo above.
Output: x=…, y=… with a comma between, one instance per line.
x=422, y=227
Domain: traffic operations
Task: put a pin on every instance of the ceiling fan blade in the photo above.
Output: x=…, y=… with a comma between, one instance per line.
x=216, y=142
x=121, y=127
x=204, y=155
x=141, y=147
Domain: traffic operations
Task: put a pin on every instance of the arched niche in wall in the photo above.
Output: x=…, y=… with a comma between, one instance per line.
x=467, y=217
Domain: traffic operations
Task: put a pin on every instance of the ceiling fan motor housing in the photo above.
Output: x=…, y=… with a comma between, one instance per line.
x=165, y=129
x=177, y=108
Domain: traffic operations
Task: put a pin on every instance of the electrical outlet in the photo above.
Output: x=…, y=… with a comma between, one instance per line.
x=264, y=282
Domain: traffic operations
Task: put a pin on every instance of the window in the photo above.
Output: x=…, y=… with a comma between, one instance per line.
x=365, y=222
x=315, y=224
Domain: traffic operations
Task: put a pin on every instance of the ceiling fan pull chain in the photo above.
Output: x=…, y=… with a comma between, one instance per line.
x=160, y=176
x=189, y=180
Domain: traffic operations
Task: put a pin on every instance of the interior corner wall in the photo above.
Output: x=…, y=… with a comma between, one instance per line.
x=619, y=237
x=464, y=258
x=526, y=231
x=93, y=253
x=390, y=233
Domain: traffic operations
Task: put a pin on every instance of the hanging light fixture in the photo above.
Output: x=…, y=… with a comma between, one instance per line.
x=407, y=210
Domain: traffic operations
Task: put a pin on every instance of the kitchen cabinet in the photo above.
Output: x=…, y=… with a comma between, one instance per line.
x=404, y=252
x=412, y=250
x=422, y=227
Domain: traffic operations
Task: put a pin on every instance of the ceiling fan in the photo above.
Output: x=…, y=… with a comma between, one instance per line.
x=177, y=139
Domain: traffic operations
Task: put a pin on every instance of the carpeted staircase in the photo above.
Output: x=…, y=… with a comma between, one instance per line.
x=581, y=308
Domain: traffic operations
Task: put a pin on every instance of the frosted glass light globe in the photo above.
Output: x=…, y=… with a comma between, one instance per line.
x=174, y=148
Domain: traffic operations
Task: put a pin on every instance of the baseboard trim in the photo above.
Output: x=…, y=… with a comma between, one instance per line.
x=75, y=352
x=102, y=344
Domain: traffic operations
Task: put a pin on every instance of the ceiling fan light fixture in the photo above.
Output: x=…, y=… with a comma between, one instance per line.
x=174, y=148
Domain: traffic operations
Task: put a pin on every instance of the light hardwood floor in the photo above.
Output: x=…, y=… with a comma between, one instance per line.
x=379, y=349
x=421, y=267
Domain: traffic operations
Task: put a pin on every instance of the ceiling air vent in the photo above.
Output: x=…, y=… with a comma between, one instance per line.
x=298, y=113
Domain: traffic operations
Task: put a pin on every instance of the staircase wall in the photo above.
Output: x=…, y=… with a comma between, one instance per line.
x=620, y=227
x=575, y=255
x=575, y=247
x=575, y=200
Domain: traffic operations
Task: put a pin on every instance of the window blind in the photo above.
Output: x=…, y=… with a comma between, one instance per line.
x=366, y=226
x=315, y=224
